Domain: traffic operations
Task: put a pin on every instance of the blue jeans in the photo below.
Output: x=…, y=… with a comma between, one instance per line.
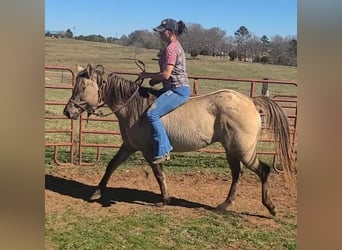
x=166, y=102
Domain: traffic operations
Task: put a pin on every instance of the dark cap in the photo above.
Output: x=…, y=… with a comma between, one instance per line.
x=167, y=24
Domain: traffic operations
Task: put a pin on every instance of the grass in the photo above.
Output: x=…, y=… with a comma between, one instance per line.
x=70, y=229
x=157, y=230
x=181, y=162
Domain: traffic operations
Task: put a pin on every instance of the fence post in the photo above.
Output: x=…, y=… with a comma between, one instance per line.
x=195, y=86
x=264, y=90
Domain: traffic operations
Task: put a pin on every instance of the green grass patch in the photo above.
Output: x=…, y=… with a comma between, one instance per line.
x=146, y=230
x=180, y=163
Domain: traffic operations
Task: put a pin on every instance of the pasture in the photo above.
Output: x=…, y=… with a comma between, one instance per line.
x=198, y=182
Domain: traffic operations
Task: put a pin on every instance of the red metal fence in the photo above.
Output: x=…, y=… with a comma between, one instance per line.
x=76, y=136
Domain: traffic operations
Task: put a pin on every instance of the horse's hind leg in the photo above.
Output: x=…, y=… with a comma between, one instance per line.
x=121, y=156
x=236, y=170
x=263, y=171
x=161, y=179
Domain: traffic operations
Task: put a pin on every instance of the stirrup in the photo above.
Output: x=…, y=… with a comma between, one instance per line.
x=161, y=159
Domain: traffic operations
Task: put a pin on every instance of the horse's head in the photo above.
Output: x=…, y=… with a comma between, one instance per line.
x=85, y=94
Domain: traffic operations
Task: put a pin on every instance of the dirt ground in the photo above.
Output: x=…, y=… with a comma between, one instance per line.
x=191, y=192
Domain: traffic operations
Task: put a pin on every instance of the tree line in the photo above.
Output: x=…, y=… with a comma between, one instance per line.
x=243, y=45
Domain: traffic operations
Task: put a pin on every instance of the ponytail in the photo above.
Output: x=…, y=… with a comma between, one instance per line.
x=181, y=27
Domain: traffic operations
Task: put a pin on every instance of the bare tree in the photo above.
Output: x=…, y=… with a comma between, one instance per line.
x=253, y=48
x=144, y=39
x=203, y=41
x=277, y=50
x=228, y=44
x=215, y=40
x=194, y=39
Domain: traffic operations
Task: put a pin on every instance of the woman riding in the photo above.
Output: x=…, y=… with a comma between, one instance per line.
x=175, y=90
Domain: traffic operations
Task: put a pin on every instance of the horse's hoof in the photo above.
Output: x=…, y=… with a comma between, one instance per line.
x=162, y=203
x=272, y=211
x=221, y=208
x=96, y=195
x=159, y=204
x=271, y=208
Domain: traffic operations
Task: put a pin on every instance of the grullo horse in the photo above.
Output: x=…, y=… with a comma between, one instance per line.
x=224, y=116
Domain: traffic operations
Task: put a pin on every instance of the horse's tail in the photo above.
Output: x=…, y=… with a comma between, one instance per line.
x=277, y=122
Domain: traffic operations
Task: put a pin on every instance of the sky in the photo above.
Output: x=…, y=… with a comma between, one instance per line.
x=114, y=18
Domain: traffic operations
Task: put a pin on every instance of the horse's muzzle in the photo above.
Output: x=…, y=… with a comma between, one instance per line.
x=71, y=112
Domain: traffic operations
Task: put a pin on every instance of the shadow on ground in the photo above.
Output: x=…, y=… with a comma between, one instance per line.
x=83, y=191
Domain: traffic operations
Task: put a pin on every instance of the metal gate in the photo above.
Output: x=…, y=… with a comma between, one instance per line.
x=59, y=82
x=69, y=140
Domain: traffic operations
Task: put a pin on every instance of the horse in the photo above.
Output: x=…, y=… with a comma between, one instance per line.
x=225, y=116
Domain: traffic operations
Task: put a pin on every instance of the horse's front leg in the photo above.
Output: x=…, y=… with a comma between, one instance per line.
x=121, y=156
x=161, y=179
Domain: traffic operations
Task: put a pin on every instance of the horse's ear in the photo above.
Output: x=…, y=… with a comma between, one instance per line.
x=79, y=68
x=89, y=69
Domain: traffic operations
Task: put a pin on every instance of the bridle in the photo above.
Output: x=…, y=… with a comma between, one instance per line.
x=93, y=111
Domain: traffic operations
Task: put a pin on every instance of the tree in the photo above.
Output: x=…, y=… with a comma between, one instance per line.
x=277, y=50
x=228, y=44
x=68, y=34
x=203, y=41
x=193, y=54
x=253, y=47
x=143, y=39
x=241, y=36
x=232, y=55
x=194, y=39
x=292, y=52
x=264, y=59
x=124, y=40
x=265, y=41
x=214, y=40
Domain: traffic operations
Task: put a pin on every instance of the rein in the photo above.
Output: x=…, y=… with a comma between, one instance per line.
x=79, y=105
x=138, y=81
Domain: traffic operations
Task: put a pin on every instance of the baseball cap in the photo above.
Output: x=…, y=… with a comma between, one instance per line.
x=167, y=24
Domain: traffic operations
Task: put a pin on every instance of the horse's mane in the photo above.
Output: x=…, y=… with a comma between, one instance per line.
x=123, y=96
x=120, y=92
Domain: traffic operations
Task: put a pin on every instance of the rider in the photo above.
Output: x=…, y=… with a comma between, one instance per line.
x=175, y=90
